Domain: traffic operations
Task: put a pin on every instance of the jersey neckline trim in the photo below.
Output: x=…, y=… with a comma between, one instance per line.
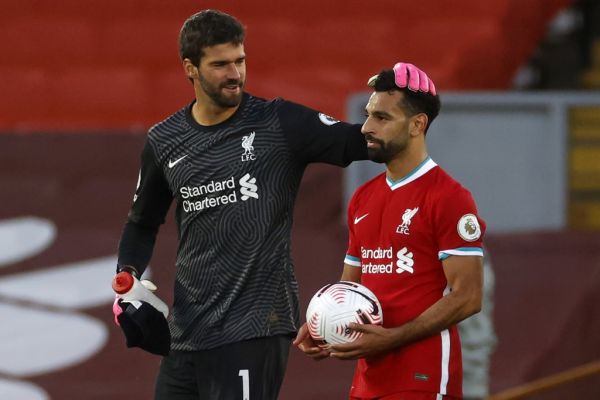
x=427, y=165
x=195, y=125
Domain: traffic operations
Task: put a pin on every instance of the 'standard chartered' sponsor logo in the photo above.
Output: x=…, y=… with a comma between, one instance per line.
x=405, y=261
x=248, y=187
x=384, y=261
x=218, y=193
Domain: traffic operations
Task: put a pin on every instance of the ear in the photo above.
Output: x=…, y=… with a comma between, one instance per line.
x=418, y=124
x=191, y=71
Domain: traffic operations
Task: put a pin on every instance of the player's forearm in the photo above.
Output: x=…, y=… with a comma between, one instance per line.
x=136, y=246
x=351, y=273
x=448, y=311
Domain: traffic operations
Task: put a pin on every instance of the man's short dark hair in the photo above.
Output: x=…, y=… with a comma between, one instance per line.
x=208, y=28
x=412, y=102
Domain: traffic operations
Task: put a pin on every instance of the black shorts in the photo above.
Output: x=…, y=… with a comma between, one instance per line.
x=248, y=370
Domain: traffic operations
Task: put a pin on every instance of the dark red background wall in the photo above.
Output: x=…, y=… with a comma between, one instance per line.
x=80, y=66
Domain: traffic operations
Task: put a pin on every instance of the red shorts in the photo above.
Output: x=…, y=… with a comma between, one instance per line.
x=409, y=396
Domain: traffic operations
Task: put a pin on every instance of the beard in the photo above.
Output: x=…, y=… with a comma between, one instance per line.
x=218, y=97
x=386, y=152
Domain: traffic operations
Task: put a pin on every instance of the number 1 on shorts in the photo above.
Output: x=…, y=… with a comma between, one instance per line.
x=245, y=384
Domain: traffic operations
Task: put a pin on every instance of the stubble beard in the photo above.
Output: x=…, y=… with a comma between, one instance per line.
x=386, y=152
x=216, y=95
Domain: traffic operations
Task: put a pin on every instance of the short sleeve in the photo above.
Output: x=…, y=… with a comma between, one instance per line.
x=459, y=228
x=353, y=252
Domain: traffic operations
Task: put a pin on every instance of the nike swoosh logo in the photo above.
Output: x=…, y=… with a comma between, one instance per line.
x=173, y=163
x=357, y=220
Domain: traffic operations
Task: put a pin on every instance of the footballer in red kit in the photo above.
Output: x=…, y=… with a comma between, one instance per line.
x=399, y=233
x=415, y=240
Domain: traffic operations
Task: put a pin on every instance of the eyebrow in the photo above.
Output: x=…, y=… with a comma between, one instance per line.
x=379, y=114
x=225, y=61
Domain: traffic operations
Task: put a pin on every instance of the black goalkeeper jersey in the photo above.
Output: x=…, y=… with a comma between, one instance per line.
x=234, y=186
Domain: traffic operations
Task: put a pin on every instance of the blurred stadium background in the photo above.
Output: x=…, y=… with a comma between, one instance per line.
x=81, y=82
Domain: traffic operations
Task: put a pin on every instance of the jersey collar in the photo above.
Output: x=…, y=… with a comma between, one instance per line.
x=236, y=115
x=416, y=173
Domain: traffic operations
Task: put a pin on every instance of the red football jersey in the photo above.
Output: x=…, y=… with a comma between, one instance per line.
x=399, y=234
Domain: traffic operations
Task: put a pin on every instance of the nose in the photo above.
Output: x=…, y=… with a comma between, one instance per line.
x=233, y=72
x=366, y=127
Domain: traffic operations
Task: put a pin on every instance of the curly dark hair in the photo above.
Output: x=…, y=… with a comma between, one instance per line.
x=208, y=28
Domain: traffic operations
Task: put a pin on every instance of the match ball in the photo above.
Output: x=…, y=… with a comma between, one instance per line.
x=335, y=306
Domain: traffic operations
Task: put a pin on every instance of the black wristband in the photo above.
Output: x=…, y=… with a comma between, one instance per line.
x=128, y=268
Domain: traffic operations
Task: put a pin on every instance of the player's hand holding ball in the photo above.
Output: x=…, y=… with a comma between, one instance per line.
x=373, y=341
x=308, y=346
x=338, y=313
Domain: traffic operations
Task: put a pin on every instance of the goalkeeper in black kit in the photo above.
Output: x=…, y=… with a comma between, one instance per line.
x=232, y=163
